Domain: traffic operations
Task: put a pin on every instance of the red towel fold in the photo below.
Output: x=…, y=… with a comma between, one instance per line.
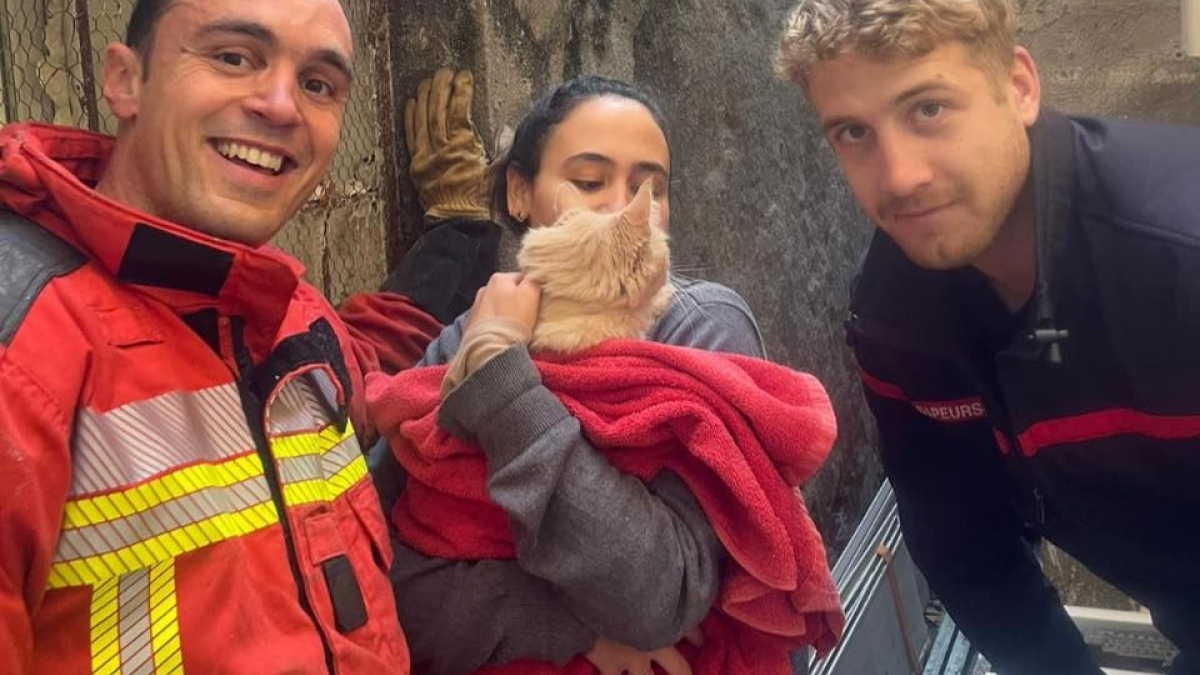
x=741, y=433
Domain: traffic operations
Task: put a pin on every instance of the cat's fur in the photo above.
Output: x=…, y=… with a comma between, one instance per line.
x=603, y=276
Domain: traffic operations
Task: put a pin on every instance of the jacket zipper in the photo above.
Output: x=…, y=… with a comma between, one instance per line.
x=225, y=345
x=255, y=412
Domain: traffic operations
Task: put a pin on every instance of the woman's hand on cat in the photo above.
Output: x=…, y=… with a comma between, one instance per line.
x=510, y=296
x=614, y=658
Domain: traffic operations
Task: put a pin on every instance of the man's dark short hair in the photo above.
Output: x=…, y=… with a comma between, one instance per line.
x=139, y=35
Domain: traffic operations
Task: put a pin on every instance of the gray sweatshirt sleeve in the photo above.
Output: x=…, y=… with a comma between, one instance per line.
x=509, y=613
x=459, y=616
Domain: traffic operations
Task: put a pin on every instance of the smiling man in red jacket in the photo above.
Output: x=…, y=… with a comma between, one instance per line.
x=183, y=490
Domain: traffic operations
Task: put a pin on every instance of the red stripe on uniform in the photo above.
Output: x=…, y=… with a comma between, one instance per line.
x=958, y=410
x=1001, y=442
x=884, y=389
x=1105, y=423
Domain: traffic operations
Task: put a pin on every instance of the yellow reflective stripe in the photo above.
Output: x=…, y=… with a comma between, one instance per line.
x=348, y=477
x=99, y=557
x=306, y=492
x=164, y=620
x=319, y=491
x=161, y=548
x=105, y=629
x=135, y=624
x=322, y=444
x=189, y=479
x=306, y=445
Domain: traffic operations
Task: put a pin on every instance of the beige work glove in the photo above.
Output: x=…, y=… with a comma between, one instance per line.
x=448, y=161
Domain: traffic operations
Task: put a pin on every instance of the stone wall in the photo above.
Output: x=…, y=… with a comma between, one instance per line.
x=1119, y=58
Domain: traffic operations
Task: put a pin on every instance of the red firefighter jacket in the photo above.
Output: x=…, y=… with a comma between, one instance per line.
x=183, y=490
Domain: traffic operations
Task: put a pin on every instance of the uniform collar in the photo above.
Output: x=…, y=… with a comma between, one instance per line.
x=48, y=173
x=1053, y=176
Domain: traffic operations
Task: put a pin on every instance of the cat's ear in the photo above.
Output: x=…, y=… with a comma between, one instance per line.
x=567, y=199
x=639, y=211
x=519, y=195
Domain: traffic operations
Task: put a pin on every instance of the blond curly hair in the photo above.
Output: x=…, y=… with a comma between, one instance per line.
x=819, y=30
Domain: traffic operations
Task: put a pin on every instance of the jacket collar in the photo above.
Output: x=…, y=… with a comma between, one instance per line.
x=1052, y=141
x=48, y=173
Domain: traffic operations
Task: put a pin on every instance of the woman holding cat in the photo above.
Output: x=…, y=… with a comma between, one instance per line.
x=605, y=564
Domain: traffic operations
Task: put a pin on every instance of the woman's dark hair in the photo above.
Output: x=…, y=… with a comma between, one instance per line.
x=525, y=153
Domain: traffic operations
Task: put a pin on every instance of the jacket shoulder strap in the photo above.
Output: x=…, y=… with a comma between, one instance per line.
x=30, y=258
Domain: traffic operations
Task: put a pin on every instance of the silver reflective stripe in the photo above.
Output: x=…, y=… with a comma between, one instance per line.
x=133, y=602
x=141, y=440
x=323, y=464
x=304, y=404
x=327, y=391
x=296, y=409
x=170, y=516
x=134, y=624
x=341, y=455
x=300, y=469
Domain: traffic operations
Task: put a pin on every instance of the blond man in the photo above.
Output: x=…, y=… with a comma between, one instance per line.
x=1026, y=319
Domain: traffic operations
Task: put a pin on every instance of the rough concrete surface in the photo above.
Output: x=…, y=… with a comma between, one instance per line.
x=1120, y=58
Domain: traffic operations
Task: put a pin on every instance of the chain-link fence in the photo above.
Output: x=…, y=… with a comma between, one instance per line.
x=46, y=62
x=51, y=56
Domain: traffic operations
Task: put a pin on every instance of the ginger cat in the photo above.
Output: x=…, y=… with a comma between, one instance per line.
x=603, y=276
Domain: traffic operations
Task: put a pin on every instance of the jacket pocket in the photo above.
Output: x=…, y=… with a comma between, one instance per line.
x=351, y=594
x=329, y=554
x=360, y=520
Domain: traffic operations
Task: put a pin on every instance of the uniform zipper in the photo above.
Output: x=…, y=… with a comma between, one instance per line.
x=1039, y=505
x=232, y=353
x=225, y=345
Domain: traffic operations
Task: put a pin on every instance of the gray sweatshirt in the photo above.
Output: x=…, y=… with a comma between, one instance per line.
x=598, y=552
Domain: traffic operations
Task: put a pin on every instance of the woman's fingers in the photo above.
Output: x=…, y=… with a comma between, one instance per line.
x=508, y=295
x=671, y=661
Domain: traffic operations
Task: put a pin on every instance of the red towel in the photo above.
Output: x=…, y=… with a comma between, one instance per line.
x=742, y=433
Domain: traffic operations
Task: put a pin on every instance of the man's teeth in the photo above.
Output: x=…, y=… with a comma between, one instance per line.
x=254, y=156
